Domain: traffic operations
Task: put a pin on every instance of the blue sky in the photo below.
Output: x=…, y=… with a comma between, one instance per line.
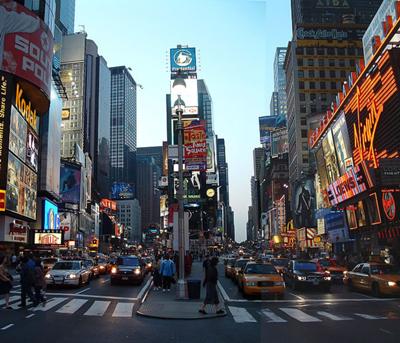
x=235, y=41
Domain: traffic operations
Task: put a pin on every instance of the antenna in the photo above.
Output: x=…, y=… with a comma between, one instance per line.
x=82, y=28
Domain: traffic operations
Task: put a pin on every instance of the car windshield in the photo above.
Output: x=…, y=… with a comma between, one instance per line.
x=384, y=269
x=241, y=263
x=126, y=261
x=260, y=269
x=67, y=265
x=280, y=262
x=306, y=266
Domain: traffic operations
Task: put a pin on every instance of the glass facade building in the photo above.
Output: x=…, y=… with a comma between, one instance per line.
x=205, y=104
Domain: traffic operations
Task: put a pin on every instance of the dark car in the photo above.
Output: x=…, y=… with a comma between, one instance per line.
x=305, y=273
x=103, y=265
x=128, y=269
x=91, y=265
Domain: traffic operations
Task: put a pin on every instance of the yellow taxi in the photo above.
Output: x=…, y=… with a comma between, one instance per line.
x=378, y=278
x=261, y=279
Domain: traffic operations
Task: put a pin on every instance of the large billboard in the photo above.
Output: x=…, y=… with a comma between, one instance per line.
x=50, y=214
x=70, y=183
x=26, y=45
x=183, y=60
x=195, y=147
x=184, y=92
x=342, y=144
x=268, y=124
x=304, y=204
x=279, y=142
x=122, y=190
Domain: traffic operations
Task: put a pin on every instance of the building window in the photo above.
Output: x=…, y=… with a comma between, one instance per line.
x=321, y=63
x=300, y=74
x=320, y=51
x=301, y=85
x=343, y=74
x=310, y=62
x=303, y=133
x=331, y=51
x=313, y=96
x=311, y=73
x=322, y=85
x=303, y=121
x=300, y=62
x=342, y=63
x=302, y=97
x=310, y=51
x=331, y=63
x=333, y=85
x=299, y=51
x=303, y=109
x=312, y=85
x=322, y=73
x=332, y=73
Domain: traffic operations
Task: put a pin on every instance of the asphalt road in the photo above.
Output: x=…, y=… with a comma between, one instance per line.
x=101, y=313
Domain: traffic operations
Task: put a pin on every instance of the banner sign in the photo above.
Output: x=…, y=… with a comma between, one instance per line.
x=195, y=152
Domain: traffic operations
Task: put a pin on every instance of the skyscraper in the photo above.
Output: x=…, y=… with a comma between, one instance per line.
x=280, y=80
x=205, y=106
x=123, y=126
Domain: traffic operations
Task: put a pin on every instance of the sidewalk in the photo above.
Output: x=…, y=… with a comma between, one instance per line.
x=162, y=305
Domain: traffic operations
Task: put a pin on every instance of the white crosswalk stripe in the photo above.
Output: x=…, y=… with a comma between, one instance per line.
x=241, y=315
x=53, y=302
x=333, y=316
x=368, y=316
x=272, y=317
x=12, y=299
x=123, y=310
x=72, y=306
x=98, y=308
x=299, y=315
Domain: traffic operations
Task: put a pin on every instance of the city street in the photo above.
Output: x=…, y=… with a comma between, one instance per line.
x=102, y=312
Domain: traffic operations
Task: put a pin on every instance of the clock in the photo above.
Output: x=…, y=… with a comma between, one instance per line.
x=210, y=192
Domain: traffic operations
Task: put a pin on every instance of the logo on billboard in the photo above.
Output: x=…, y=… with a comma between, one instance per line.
x=183, y=59
x=389, y=205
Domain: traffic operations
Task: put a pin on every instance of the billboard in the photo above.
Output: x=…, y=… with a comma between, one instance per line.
x=26, y=45
x=184, y=91
x=279, y=142
x=342, y=144
x=268, y=124
x=304, y=204
x=52, y=238
x=195, y=147
x=183, y=60
x=50, y=215
x=210, y=156
x=122, y=190
x=331, y=165
x=70, y=182
x=107, y=204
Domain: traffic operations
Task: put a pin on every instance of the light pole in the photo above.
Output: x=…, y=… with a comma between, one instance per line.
x=181, y=285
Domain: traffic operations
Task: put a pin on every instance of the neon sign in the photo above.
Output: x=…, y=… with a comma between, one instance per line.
x=389, y=205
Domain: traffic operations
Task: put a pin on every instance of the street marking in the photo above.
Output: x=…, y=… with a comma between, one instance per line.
x=332, y=301
x=7, y=327
x=240, y=315
x=30, y=316
x=144, y=288
x=49, y=304
x=386, y=331
x=123, y=310
x=12, y=299
x=98, y=308
x=223, y=292
x=297, y=296
x=332, y=316
x=86, y=289
x=73, y=306
x=368, y=316
x=272, y=317
x=90, y=296
x=16, y=306
x=299, y=315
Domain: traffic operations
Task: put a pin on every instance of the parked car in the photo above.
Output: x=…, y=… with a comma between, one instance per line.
x=261, y=279
x=129, y=269
x=280, y=263
x=229, y=267
x=305, y=273
x=377, y=278
x=331, y=265
x=72, y=273
x=91, y=265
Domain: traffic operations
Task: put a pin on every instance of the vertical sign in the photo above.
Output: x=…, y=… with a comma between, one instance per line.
x=195, y=146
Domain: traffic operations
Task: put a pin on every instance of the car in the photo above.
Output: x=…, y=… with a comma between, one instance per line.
x=229, y=267
x=103, y=265
x=71, y=273
x=93, y=267
x=129, y=269
x=280, y=264
x=148, y=264
x=377, y=278
x=305, y=273
x=49, y=262
x=261, y=279
x=331, y=265
x=238, y=266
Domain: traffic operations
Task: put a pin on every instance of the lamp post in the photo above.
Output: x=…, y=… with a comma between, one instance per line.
x=181, y=285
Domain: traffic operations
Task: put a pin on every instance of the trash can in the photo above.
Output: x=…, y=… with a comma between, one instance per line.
x=194, y=287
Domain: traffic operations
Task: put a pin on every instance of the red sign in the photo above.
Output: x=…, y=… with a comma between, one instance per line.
x=389, y=205
x=2, y=201
x=26, y=45
x=195, y=146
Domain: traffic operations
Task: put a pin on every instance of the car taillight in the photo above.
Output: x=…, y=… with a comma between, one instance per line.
x=113, y=270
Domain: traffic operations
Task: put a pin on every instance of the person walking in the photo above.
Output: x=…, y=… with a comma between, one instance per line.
x=5, y=281
x=156, y=275
x=210, y=282
x=27, y=280
x=167, y=272
x=39, y=283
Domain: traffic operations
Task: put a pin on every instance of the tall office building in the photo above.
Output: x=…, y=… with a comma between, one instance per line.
x=205, y=106
x=129, y=214
x=152, y=151
x=123, y=126
x=274, y=104
x=280, y=81
x=325, y=48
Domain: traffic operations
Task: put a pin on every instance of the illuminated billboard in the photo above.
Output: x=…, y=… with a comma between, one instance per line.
x=183, y=60
x=342, y=144
x=70, y=182
x=26, y=45
x=52, y=238
x=303, y=199
x=267, y=124
x=50, y=216
x=122, y=190
x=331, y=165
x=184, y=91
x=195, y=147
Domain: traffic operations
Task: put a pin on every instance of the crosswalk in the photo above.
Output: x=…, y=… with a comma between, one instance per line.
x=78, y=306
x=287, y=314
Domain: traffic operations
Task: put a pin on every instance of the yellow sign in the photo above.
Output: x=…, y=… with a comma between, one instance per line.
x=317, y=239
x=210, y=192
x=65, y=113
x=2, y=201
x=25, y=107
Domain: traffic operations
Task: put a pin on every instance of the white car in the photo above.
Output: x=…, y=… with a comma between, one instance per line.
x=72, y=273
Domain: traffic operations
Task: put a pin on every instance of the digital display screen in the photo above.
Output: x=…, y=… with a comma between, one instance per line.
x=48, y=238
x=330, y=157
x=50, y=212
x=342, y=144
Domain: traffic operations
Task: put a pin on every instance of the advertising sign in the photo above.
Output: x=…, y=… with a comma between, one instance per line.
x=279, y=142
x=342, y=144
x=183, y=59
x=331, y=165
x=184, y=91
x=304, y=204
x=268, y=124
x=66, y=225
x=122, y=190
x=17, y=232
x=107, y=204
x=52, y=238
x=70, y=182
x=195, y=148
x=210, y=156
x=26, y=45
x=335, y=220
x=50, y=215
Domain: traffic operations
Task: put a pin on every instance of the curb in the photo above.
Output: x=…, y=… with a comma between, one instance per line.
x=141, y=298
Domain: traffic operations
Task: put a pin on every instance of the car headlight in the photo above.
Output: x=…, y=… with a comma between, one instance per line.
x=71, y=276
x=327, y=278
x=251, y=283
x=102, y=267
x=149, y=265
x=136, y=271
x=279, y=283
x=301, y=278
x=113, y=270
x=391, y=283
x=48, y=276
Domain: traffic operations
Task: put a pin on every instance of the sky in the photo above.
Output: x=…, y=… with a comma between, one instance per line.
x=235, y=41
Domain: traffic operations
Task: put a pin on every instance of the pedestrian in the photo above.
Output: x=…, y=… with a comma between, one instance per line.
x=5, y=281
x=167, y=272
x=39, y=283
x=27, y=280
x=156, y=275
x=210, y=282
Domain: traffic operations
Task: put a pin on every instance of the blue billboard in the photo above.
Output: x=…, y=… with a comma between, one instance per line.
x=122, y=190
x=267, y=124
x=50, y=215
x=70, y=183
x=183, y=59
